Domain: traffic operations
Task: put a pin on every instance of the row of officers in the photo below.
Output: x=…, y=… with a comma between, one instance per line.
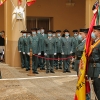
x=51, y=45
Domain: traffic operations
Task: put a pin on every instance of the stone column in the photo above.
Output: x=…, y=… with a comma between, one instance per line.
x=89, y=13
x=12, y=30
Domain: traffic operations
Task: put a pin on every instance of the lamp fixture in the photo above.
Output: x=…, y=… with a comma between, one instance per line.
x=70, y=3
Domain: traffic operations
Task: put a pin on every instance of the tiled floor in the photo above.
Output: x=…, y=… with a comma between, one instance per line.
x=17, y=85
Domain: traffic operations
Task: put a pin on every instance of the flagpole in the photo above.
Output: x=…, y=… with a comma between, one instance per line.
x=99, y=16
x=91, y=81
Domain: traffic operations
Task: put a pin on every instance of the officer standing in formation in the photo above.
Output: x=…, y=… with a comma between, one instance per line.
x=80, y=48
x=75, y=44
x=50, y=51
x=59, y=49
x=36, y=49
x=54, y=37
x=67, y=50
x=28, y=49
x=21, y=49
x=25, y=50
x=42, y=38
x=94, y=61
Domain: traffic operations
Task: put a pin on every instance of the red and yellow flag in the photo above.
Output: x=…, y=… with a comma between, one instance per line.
x=2, y=2
x=19, y=2
x=83, y=86
x=30, y=2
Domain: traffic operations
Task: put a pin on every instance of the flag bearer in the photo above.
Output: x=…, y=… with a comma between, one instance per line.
x=80, y=48
x=94, y=61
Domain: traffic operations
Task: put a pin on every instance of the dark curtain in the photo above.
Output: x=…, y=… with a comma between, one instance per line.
x=2, y=41
x=43, y=23
x=31, y=24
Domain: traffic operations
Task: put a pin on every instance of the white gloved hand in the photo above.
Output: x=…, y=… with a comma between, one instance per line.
x=3, y=52
x=73, y=59
x=62, y=53
x=23, y=52
x=39, y=53
x=54, y=53
x=28, y=53
x=45, y=54
x=19, y=51
x=71, y=52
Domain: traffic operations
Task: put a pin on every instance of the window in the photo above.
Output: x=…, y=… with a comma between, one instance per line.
x=39, y=22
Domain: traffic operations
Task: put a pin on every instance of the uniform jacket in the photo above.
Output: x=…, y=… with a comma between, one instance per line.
x=80, y=48
x=50, y=46
x=75, y=42
x=58, y=45
x=94, y=62
x=21, y=44
x=41, y=40
x=25, y=44
x=34, y=44
x=67, y=45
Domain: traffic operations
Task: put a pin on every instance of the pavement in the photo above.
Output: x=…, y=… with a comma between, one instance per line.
x=17, y=85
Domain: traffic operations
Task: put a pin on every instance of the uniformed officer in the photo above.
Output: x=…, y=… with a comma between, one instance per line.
x=59, y=49
x=80, y=48
x=21, y=48
x=28, y=46
x=38, y=32
x=42, y=37
x=54, y=34
x=94, y=61
x=50, y=51
x=25, y=51
x=35, y=46
x=75, y=42
x=54, y=37
x=67, y=50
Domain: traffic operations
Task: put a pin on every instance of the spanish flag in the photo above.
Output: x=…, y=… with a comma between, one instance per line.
x=19, y=2
x=2, y=2
x=83, y=86
x=30, y=2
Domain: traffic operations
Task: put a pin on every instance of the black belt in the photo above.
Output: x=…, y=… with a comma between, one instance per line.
x=78, y=58
x=94, y=61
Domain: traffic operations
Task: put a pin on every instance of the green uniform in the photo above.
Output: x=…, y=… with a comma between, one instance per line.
x=42, y=38
x=55, y=62
x=28, y=49
x=94, y=69
x=35, y=46
x=75, y=44
x=78, y=53
x=67, y=49
x=49, y=49
x=21, y=49
x=59, y=51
